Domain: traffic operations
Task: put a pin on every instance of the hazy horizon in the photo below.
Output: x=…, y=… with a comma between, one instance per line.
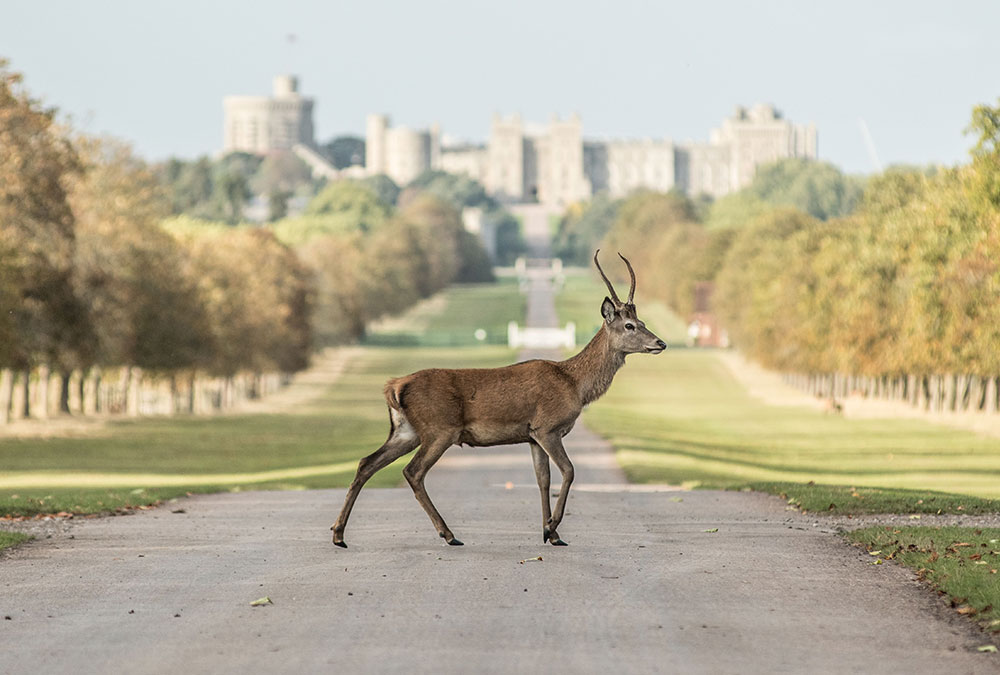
x=157, y=77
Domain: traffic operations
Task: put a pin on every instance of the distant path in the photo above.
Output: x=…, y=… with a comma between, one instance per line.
x=685, y=582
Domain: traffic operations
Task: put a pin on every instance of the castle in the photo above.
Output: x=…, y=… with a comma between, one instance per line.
x=555, y=165
x=552, y=164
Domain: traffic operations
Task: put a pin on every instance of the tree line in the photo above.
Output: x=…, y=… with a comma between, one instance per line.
x=892, y=290
x=102, y=292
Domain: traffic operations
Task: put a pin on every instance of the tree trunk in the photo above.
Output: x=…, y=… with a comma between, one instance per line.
x=25, y=394
x=6, y=394
x=89, y=385
x=131, y=391
x=64, y=377
x=44, y=376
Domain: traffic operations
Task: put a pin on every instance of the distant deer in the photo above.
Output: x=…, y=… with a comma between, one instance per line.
x=535, y=402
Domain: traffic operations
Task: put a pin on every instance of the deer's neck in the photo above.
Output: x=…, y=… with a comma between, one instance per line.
x=594, y=367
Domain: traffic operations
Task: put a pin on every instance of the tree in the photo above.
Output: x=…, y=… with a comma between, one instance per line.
x=818, y=188
x=131, y=275
x=344, y=151
x=354, y=205
x=384, y=187
x=280, y=171
x=46, y=322
x=985, y=128
x=582, y=228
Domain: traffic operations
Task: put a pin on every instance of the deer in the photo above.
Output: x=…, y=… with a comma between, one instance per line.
x=535, y=402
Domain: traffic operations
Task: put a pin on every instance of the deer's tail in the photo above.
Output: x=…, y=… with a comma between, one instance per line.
x=394, y=391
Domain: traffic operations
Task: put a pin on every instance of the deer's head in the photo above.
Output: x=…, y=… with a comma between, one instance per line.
x=628, y=334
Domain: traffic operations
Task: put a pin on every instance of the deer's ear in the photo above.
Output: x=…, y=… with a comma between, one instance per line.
x=608, y=310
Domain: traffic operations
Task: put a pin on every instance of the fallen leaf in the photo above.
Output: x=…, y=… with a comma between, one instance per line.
x=987, y=648
x=508, y=485
x=714, y=529
x=915, y=516
x=874, y=552
x=966, y=609
x=960, y=544
x=539, y=559
x=261, y=602
x=676, y=499
x=877, y=562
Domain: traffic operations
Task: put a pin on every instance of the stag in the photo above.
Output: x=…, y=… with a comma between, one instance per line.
x=535, y=402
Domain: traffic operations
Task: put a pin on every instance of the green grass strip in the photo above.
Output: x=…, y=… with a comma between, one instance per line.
x=962, y=562
x=844, y=500
x=9, y=539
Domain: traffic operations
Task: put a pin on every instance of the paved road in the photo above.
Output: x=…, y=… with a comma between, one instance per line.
x=642, y=587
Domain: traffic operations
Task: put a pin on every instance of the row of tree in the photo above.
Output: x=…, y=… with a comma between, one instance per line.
x=903, y=292
x=98, y=290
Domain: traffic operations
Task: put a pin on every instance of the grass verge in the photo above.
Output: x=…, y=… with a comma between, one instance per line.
x=960, y=562
x=845, y=501
x=10, y=539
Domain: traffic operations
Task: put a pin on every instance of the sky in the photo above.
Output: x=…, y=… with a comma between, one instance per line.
x=155, y=73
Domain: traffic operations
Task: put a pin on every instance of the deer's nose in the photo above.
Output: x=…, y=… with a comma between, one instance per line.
x=661, y=344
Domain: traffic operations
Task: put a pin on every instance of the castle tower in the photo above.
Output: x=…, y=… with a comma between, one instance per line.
x=375, y=130
x=260, y=124
x=505, y=158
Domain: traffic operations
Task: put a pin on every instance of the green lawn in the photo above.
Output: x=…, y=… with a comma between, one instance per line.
x=466, y=308
x=680, y=417
x=134, y=462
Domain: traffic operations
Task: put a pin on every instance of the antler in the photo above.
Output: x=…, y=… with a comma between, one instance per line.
x=631, y=273
x=614, y=296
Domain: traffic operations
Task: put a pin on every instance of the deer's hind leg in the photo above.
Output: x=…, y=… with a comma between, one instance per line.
x=402, y=440
x=430, y=452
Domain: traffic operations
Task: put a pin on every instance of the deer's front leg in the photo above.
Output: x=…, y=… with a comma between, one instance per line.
x=541, y=462
x=552, y=445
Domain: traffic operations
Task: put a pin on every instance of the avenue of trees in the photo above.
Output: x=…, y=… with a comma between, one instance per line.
x=111, y=302
x=893, y=292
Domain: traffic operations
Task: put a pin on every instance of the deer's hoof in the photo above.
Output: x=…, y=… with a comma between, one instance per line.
x=455, y=542
x=559, y=542
x=546, y=534
x=341, y=544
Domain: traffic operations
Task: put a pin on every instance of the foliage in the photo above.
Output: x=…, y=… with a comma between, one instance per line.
x=344, y=151
x=582, y=228
x=258, y=301
x=818, y=188
x=143, y=308
x=906, y=284
x=459, y=190
x=350, y=205
x=281, y=171
x=37, y=235
x=220, y=189
x=384, y=188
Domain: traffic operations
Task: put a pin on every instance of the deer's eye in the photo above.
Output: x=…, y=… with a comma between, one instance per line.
x=629, y=326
